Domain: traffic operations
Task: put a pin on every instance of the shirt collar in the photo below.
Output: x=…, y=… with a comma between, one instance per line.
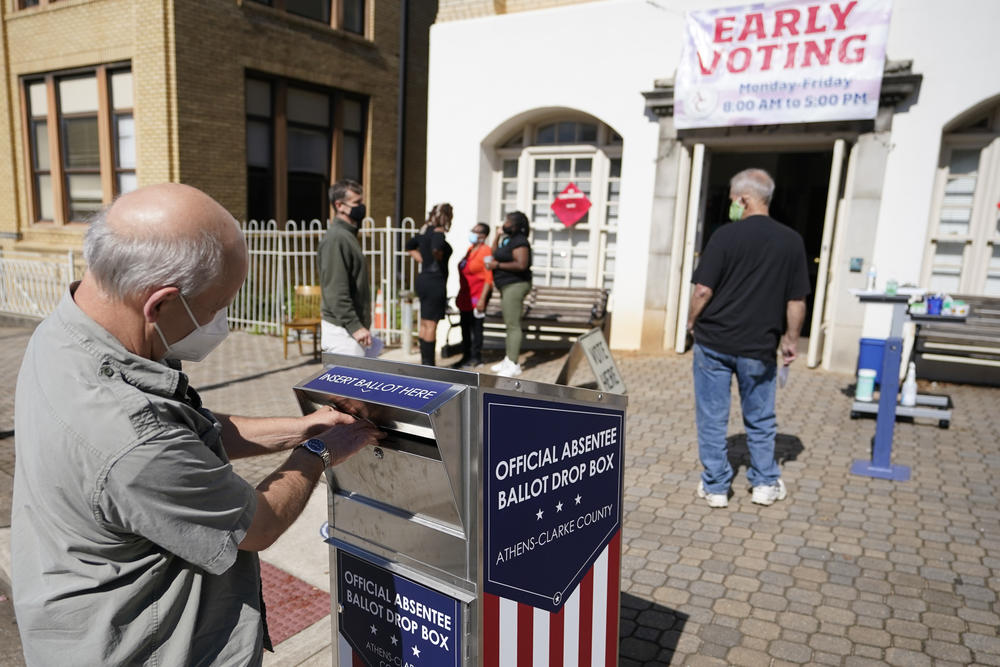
x=347, y=226
x=151, y=376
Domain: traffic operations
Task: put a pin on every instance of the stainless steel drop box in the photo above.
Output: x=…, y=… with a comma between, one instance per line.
x=487, y=495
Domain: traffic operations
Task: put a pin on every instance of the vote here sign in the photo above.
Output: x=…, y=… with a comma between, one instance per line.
x=552, y=495
x=781, y=62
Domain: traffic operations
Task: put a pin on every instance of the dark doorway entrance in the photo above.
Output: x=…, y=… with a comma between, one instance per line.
x=801, y=179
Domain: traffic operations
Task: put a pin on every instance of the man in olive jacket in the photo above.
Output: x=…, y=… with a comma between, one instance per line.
x=343, y=275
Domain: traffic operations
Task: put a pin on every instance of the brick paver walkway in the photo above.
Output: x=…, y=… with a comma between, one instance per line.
x=846, y=571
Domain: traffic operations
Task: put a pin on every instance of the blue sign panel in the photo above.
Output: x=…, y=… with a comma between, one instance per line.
x=396, y=390
x=552, y=494
x=391, y=620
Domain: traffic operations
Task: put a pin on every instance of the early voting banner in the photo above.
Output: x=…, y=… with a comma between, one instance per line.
x=390, y=621
x=781, y=62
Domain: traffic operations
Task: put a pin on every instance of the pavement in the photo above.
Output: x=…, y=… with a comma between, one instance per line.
x=847, y=570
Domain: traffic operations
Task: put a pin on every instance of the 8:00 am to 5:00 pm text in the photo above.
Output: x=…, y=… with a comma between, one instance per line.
x=807, y=101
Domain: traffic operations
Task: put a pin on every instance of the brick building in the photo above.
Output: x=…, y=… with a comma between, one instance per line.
x=261, y=103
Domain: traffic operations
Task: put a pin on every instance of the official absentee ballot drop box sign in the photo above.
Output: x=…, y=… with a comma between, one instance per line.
x=387, y=619
x=552, y=525
x=484, y=530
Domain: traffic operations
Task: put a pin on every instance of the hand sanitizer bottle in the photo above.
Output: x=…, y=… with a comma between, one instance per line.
x=908, y=395
x=870, y=287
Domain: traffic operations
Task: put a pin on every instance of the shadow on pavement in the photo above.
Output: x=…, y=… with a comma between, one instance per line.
x=649, y=631
x=849, y=390
x=786, y=448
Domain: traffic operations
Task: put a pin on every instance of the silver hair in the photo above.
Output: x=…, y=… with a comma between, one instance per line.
x=754, y=182
x=125, y=265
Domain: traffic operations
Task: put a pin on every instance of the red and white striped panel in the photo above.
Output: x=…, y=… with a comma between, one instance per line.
x=584, y=633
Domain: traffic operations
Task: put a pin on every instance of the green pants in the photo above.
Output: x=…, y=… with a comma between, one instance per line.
x=512, y=304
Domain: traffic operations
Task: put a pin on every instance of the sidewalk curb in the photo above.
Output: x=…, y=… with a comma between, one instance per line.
x=310, y=644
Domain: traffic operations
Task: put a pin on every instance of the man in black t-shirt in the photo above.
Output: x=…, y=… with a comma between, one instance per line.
x=749, y=294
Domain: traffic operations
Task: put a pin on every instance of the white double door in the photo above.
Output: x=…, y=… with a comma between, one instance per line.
x=578, y=255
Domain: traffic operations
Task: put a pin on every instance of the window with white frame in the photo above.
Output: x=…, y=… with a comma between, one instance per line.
x=539, y=162
x=963, y=253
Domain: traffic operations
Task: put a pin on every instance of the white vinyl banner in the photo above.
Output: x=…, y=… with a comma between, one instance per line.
x=781, y=62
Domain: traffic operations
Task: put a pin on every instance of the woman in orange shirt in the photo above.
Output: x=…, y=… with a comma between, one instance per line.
x=475, y=285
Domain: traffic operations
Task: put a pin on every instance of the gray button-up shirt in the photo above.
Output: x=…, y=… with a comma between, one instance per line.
x=127, y=515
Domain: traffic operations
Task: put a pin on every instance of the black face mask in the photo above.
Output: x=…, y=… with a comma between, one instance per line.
x=508, y=230
x=357, y=213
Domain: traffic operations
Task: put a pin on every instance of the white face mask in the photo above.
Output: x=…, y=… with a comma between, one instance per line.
x=197, y=344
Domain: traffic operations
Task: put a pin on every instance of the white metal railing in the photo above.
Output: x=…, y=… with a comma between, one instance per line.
x=280, y=259
x=391, y=272
x=32, y=283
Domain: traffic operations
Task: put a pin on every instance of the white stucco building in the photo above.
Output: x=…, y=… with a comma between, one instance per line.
x=523, y=102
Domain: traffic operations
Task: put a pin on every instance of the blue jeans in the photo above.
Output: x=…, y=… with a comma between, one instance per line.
x=713, y=374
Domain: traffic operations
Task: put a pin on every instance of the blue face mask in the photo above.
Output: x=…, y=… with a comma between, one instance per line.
x=473, y=238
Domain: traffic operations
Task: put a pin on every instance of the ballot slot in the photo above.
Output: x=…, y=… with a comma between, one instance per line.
x=408, y=494
x=386, y=417
x=413, y=445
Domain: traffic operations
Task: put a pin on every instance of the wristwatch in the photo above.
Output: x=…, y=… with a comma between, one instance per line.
x=317, y=447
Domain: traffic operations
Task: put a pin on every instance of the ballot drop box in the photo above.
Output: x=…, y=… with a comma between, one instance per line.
x=485, y=529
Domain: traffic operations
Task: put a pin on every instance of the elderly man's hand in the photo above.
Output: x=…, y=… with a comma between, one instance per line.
x=344, y=440
x=324, y=418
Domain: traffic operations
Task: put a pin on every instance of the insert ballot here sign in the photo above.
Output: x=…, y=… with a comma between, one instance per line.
x=396, y=390
x=552, y=493
x=391, y=621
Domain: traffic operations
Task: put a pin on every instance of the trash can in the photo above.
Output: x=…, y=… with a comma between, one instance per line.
x=486, y=528
x=870, y=351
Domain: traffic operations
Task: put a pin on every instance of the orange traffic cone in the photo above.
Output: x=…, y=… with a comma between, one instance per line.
x=379, y=311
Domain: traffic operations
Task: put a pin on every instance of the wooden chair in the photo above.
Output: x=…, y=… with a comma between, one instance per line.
x=304, y=316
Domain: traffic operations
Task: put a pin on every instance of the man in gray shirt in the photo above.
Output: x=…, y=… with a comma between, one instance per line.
x=343, y=275
x=133, y=541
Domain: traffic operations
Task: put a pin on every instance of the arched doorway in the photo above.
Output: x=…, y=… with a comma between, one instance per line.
x=535, y=162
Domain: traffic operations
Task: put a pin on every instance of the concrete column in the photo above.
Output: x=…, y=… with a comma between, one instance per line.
x=660, y=237
x=855, y=237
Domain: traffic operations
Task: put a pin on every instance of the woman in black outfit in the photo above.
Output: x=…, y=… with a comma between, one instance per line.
x=511, y=266
x=432, y=252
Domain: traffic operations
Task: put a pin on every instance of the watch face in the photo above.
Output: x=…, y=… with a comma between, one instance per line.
x=315, y=445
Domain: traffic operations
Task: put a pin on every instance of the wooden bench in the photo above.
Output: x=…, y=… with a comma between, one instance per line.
x=966, y=352
x=552, y=318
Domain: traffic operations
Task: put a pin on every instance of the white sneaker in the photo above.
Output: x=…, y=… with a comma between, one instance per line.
x=512, y=370
x=499, y=366
x=766, y=495
x=713, y=499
